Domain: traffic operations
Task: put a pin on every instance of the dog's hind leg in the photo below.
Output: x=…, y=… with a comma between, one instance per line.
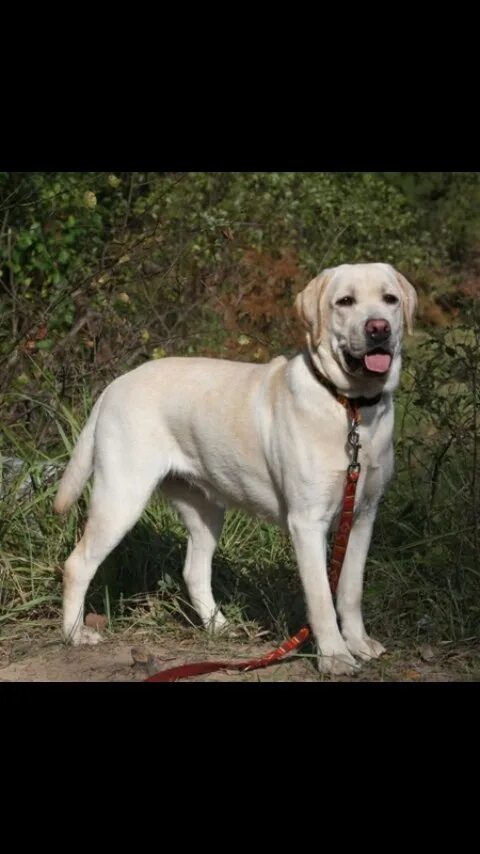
x=204, y=521
x=121, y=489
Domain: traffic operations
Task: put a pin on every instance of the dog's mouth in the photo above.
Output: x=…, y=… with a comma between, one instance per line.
x=376, y=361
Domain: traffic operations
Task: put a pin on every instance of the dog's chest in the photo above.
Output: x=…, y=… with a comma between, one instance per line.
x=376, y=460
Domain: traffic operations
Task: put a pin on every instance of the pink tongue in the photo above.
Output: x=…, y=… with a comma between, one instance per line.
x=378, y=362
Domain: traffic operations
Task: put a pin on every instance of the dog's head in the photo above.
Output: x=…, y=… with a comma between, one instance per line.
x=354, y=316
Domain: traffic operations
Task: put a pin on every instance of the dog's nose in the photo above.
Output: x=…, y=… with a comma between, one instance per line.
x=378, y=331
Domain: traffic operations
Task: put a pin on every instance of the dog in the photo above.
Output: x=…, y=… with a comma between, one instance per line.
x=270, y=439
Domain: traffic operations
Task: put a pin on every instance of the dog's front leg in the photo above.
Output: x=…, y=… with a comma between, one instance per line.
x=350, y=589
x=309, y=540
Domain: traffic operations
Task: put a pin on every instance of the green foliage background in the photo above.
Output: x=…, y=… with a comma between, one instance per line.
x=100, y=272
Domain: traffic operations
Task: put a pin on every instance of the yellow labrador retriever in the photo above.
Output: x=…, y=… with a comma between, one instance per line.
x=269, y=439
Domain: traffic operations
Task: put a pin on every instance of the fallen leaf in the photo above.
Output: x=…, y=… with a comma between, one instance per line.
x=96, y=621
x=427, y=652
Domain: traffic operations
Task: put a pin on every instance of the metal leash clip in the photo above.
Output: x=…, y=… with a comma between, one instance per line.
x=354, y=442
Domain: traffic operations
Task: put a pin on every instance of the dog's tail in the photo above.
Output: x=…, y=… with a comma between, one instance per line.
x=80, y=466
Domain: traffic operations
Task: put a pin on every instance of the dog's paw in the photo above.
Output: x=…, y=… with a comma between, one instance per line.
x=216, y=624
x=337, y=663
x=85, y=635
x=365, y=648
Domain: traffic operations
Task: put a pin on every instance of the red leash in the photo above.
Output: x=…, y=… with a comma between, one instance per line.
x=338, y=556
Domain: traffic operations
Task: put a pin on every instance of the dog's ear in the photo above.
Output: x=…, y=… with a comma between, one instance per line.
x=307, y=305
x=409, y=300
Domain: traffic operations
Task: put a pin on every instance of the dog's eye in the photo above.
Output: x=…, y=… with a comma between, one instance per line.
x=345, y=301
x=391, y=299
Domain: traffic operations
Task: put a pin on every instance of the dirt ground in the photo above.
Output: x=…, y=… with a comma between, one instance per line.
x=131, y=657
